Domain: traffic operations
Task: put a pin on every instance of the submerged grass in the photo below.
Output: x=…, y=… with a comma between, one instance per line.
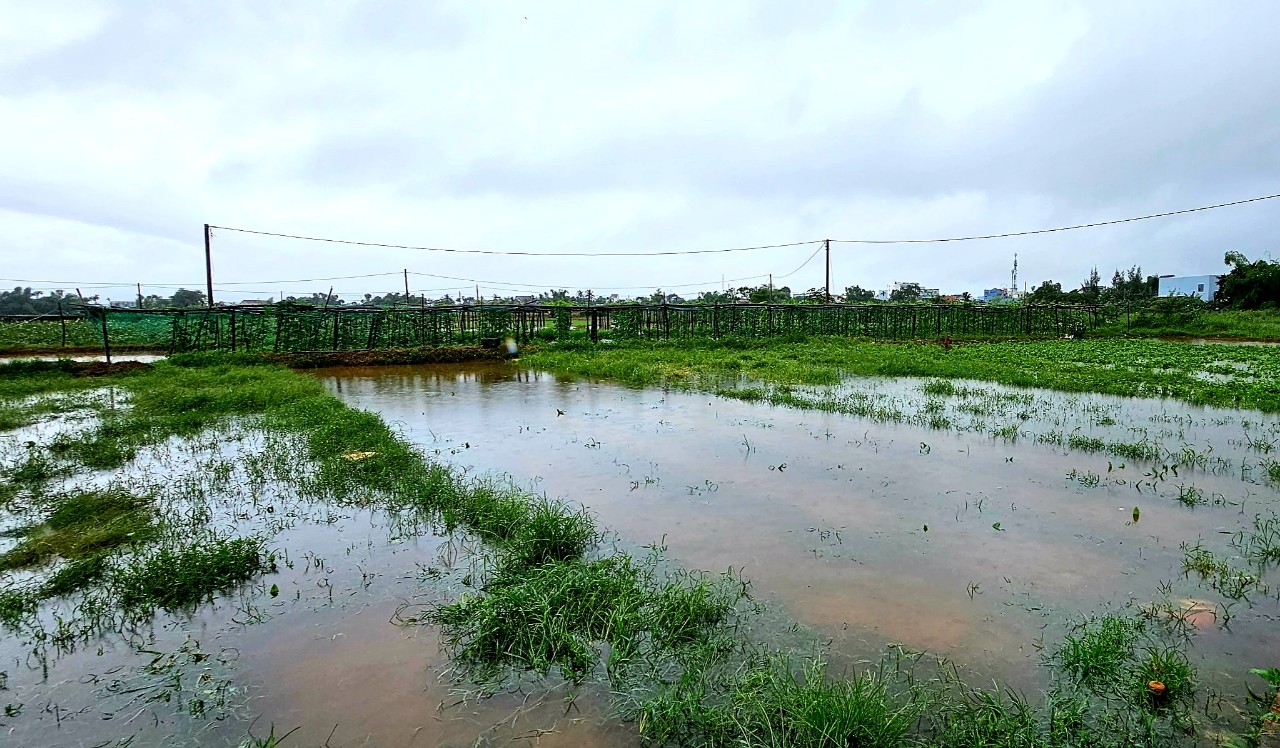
x=180, y=577
x=82, y=524
x=1138, y=368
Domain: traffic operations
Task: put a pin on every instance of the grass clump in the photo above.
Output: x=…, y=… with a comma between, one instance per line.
x=174, y=578
x=82, y=524
x=15, y=605
x=1103, y=691
x=76, y=575
x=983, y=718
x=1093, y=654
x=556, y=615
x=771, y=703
x=1220, y=575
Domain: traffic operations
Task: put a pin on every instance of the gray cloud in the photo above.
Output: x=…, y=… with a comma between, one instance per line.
x=682, y=126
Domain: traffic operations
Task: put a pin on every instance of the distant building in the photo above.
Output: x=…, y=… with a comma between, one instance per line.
x=926, y=294
x=256, y=302
x=124, y=305
x=995, y=294
x=1203, y=286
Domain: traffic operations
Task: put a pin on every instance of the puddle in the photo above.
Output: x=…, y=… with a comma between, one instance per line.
x=826, y=513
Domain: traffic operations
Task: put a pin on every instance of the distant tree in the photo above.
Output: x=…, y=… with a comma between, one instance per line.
x=762, y=295
x=1129, y=285
x=717, y=297
x=1249, y=285
x=1092, y=288
x=858, y=295
x=185, y=299
x=815, y=296
x=906, y=292
x=1049, y=292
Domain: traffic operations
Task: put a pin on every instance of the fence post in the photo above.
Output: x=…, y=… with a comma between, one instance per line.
x=63, y=318
x=106, y=340
x=233, y=330
x=594, y=324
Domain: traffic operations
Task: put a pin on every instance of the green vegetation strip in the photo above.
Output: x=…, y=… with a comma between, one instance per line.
x=1137, y=368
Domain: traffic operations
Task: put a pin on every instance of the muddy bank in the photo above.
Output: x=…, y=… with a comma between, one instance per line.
x=19, y=367
x=388, y=357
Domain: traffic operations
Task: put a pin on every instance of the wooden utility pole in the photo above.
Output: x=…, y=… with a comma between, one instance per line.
x=208, y=265
x=406, y=286
x=106, y=337
x=828, y=243
x=139, y=295
x=770, y=288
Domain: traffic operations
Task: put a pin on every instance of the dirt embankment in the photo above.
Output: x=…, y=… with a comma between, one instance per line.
x=450, y=355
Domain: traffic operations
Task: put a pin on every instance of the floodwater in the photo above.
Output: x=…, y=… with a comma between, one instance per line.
x=867, y=533
x=311, y=649
x=826, y=514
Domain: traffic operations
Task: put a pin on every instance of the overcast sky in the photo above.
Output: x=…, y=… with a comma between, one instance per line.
x=595, y=126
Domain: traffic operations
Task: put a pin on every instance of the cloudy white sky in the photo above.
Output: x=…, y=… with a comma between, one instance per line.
x=604, y=127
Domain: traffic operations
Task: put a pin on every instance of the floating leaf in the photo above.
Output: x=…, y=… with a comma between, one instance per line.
x=1136, y=514
x=996, y=526
x=275, y=590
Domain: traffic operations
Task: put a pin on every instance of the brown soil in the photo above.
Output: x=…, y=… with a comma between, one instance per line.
x=102, y=369
x=450, y=355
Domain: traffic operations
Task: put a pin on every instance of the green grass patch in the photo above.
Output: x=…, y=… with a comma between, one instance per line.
x=558, y=614
x=772, y=703
x=1230, y=325
x=1137, y=368
x=181, y=577
x=82, y=524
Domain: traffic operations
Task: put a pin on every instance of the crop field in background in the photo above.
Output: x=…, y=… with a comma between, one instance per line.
x=817, y=542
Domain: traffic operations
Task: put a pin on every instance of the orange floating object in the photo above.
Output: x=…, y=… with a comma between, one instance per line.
x=1157, y=688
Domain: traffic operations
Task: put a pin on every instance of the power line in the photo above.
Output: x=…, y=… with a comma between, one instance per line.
x=512, y=252
x=753, y=248
x=495, y=284
x=1060, y=228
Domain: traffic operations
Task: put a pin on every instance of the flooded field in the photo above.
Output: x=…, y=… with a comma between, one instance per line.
x=970, y=521
x=977, y=541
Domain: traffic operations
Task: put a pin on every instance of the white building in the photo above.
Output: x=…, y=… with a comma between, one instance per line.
x=926, y=294
x=1202, y=286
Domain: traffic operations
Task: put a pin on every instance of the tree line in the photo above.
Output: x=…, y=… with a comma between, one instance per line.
x=1247, y=285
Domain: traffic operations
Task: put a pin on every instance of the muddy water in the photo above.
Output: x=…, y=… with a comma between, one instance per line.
x=826, y=514
x=311, y=648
